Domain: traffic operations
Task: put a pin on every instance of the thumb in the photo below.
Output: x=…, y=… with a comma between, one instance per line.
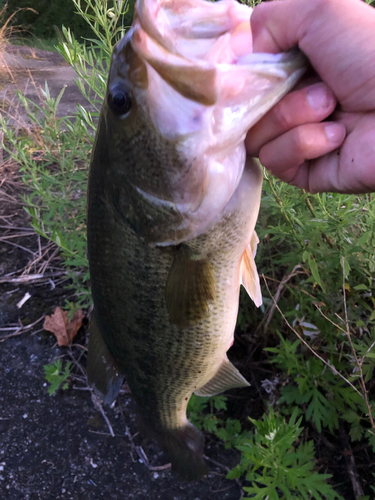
x=333, y=34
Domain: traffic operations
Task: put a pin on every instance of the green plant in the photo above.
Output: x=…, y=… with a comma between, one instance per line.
x=278, y=467
x=273, y=458
x=53, y=159
x=91, y=62
x=317, y=393
x=203, y=412
x=317, y=256
x=56, y=376
x=42, y=18
x=54, y=153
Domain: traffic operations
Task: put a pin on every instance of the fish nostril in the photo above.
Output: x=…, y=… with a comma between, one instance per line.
x=119, y=101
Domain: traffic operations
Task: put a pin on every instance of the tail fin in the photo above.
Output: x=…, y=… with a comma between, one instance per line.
x=184, y=447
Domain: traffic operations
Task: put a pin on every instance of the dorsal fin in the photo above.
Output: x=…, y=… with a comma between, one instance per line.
x=249, y=273
x=189, y=289
x=227, y=377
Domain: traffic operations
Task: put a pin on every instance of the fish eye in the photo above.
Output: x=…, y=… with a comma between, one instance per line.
x=119, y=100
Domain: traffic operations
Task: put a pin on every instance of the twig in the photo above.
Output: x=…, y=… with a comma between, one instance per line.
x=78, y=365
x=101, y=433
x=280, y=288
x=15, y=228
x=227, y=469
x=30, y=277
x=368, y=350
x=2, y=238
x=43, y=267
x=10, y=197
x=99, y=407
x=359, y=363
x=21, y=330
x=329, y=319
x=19, y=246
x=350, y=464
x=142, y=455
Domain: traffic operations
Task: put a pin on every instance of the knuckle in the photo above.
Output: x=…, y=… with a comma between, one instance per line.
x=302, y=141
x=283, y=115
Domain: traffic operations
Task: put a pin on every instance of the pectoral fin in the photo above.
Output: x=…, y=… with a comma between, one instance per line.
x=249, y=273
x=101, y=366
x=228, y=377
x=189, y=289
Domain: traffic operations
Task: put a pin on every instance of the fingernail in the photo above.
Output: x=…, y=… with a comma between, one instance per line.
x=334, y=132
x=319, y=97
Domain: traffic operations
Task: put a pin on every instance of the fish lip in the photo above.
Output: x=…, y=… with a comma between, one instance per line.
x=280, y=64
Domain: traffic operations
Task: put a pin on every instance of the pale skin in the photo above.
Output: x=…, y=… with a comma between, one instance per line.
x=320, y=137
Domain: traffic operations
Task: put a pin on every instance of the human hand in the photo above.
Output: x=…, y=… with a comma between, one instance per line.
x=338, y=37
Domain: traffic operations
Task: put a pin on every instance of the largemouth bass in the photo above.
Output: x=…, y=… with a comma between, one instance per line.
x=172, y=207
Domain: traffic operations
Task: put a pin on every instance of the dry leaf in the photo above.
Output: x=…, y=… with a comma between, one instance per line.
x=64, y=330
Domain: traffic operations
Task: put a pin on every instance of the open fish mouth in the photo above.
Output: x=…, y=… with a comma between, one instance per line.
x=192, y=73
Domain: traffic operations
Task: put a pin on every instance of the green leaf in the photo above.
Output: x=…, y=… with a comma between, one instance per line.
x=360, y=287
x=314, y=271
x=345, y=266
x=364, y=238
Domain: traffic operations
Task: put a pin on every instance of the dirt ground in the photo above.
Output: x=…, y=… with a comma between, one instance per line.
x=27, y=70
x=60, y=447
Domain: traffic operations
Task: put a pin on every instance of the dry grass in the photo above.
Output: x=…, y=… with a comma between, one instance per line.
x=7, y=28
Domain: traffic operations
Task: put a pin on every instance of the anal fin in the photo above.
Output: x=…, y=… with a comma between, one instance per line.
x=249, y=273
x=101, y=366
x=227, y=377
x=189, y=289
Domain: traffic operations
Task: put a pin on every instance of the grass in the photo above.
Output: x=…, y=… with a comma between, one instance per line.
x=49, y=44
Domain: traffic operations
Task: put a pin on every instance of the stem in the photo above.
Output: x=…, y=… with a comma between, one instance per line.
x=283, y=211
x=359, y=364
x=325, y=237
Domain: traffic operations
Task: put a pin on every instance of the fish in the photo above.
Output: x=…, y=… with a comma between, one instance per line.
x=172, y=205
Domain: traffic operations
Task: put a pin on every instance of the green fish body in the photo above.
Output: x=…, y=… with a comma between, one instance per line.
x=172, y=208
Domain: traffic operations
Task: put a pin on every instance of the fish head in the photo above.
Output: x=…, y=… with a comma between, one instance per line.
x=184, y=88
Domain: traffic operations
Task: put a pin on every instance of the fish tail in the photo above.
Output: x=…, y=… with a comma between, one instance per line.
x=184, y=447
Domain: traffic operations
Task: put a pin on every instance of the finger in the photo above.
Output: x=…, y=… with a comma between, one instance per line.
x=279, y=26
x=351, y=171
x=284, y=155
x=308, y=105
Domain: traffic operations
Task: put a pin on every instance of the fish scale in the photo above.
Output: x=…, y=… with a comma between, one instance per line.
x=172, y=207
x=163, y=364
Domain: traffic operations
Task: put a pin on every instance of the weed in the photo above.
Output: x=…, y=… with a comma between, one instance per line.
x=278, y=467
x=273, y=458
x=56, y=376
x=54, y=154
